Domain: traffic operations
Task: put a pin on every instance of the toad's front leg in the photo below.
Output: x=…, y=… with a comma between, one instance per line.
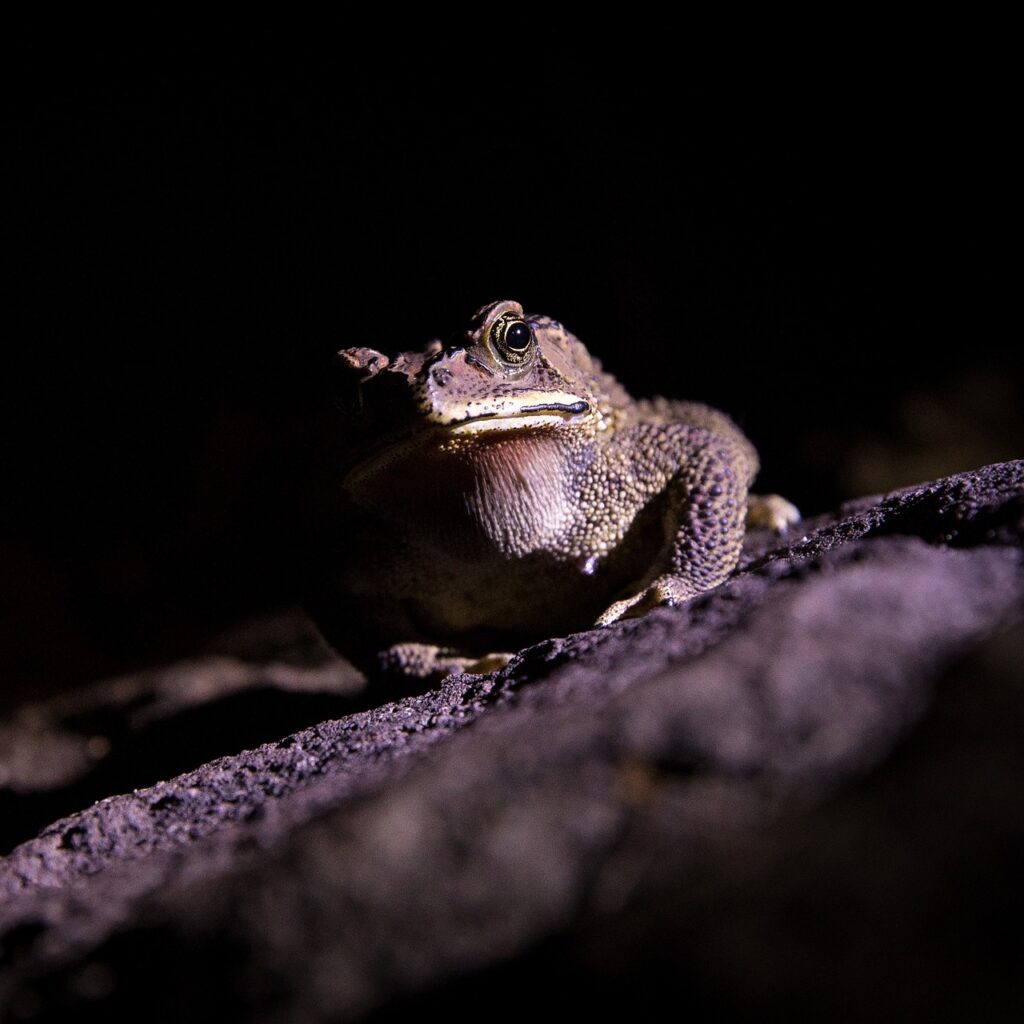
x=703, y=525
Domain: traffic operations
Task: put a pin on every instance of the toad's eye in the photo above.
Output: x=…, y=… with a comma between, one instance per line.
x=511, y=338
x=517, y=337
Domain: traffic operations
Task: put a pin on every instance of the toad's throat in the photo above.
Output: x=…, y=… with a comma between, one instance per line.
x=526, y=416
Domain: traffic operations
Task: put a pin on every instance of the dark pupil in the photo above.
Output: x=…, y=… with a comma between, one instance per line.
x=517, y=337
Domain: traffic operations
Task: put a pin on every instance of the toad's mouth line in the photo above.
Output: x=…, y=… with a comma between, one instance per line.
x=539, y=416
x=543, y=414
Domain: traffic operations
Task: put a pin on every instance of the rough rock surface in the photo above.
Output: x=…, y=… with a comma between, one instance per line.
x=799, y=794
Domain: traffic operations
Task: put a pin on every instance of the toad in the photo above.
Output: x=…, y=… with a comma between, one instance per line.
x=506, y=488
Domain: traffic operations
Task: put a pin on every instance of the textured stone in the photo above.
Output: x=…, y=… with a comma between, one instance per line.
x=762, y=801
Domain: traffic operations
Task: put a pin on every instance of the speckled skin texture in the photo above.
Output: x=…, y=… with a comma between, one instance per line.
x=493, y=496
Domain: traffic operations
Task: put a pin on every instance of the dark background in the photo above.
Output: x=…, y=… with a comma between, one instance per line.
x=199, y=225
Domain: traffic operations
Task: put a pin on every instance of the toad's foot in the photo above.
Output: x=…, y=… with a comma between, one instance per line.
x=426, y=661
x=665, y=591
x=772, y=511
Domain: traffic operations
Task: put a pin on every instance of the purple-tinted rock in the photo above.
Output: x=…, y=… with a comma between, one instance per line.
x=760, y=803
